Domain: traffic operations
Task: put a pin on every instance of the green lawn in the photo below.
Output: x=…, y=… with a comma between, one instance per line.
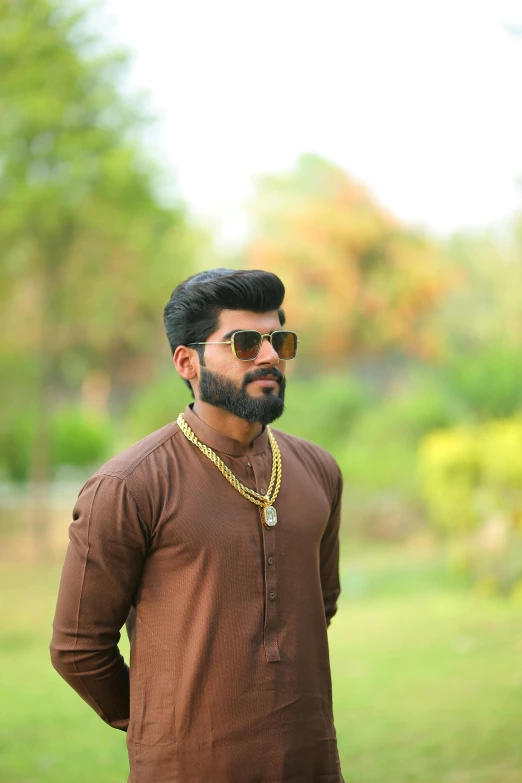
x=427, y=682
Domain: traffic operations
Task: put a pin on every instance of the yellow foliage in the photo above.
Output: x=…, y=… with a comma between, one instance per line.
x=471, y=479
x=449, y=466
x=502, y=454
x=469, y=474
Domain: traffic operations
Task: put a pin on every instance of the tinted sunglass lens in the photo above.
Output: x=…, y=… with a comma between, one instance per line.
x=285, y=344
x=246, y=344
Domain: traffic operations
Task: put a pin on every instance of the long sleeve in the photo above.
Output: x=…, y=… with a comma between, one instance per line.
x=103, y=564
x=330, y=556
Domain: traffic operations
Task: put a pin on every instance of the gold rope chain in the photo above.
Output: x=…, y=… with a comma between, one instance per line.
x=255, y=497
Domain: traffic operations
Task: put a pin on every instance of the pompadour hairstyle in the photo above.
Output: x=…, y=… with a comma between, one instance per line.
x=192, y=312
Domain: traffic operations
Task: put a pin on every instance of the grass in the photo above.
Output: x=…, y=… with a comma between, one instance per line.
x=427, y=681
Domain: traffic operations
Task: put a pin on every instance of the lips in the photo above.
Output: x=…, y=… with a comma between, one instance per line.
x=266, y=376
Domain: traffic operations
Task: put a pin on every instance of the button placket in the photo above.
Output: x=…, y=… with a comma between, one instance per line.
x=261, y=472
x=270, y=630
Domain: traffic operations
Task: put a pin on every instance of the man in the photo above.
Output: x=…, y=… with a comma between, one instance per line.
x=217, y=540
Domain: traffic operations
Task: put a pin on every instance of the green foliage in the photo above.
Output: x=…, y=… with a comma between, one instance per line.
x=79, y=437
x=380, y=453
x=90, y=251
x=421, y=404
x=16, y=437
x=17, y=414
x=371, y=462
x=323, y=409
x=486, y=382
x=86, y=241
x=483, y=308
x=153, y=406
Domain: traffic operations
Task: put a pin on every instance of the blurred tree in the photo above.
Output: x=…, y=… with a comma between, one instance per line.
x=481, y=322
x=361, y=282
x=89, y=251
x=484, y=309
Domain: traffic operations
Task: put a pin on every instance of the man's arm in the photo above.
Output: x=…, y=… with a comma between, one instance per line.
x=103, y=564
x=330, y=556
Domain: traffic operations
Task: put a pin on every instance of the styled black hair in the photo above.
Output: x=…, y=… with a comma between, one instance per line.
x=192, y=312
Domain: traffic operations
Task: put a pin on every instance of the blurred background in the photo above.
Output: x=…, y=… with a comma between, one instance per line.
x=369, y=154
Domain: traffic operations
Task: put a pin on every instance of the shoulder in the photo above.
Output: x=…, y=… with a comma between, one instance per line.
x=310, y=456
x=144, y=453
x=143, y=470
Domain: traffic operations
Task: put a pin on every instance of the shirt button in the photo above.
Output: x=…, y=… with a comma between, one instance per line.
x=270, y=560
x=271, y=596
x=262, y=490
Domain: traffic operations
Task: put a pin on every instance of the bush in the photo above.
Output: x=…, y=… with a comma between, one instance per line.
x=78, y=437
x=424, y=405
x=376, y=465
x=16, y=438
x=381, y=452
x=449, y=469
x=487, y=383
x=472, y=485
x=323, y=409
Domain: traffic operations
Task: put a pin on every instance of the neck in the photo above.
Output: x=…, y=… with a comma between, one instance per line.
x=228, y=424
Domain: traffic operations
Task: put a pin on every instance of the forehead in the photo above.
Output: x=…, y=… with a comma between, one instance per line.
x=245, y=319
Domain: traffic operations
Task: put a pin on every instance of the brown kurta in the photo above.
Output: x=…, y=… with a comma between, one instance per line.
x=229, y=670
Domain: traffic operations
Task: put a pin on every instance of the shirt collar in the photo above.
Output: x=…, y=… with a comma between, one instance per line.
x=218, y=441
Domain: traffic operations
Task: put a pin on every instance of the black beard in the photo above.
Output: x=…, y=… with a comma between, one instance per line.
x=216, y=389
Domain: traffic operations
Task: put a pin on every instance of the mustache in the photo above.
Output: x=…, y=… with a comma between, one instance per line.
x=263, y=372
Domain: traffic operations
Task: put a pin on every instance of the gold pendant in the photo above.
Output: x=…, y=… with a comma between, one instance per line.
x=269, y=516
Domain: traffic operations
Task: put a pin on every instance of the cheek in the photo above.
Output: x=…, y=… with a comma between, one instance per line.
x=228, y=366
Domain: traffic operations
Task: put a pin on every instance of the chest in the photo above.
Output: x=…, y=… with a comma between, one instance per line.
x=203, y=515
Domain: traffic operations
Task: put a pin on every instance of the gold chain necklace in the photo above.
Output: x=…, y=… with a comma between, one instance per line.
x=268, y=512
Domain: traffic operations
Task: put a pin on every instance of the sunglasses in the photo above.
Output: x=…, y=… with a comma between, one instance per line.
x=246, y=344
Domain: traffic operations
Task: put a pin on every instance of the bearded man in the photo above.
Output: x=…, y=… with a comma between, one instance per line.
x=217, y=540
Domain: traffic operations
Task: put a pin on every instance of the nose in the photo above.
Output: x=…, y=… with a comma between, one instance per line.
x=267, y=356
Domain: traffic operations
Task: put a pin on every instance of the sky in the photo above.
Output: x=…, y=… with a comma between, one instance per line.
x=417, y=99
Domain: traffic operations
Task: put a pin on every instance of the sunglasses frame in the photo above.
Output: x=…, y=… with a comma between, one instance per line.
x=231, y=342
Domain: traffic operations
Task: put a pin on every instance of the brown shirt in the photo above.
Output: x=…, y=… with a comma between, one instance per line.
x=229, y=676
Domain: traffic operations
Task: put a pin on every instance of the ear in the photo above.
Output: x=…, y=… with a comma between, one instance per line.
x=186, y=362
